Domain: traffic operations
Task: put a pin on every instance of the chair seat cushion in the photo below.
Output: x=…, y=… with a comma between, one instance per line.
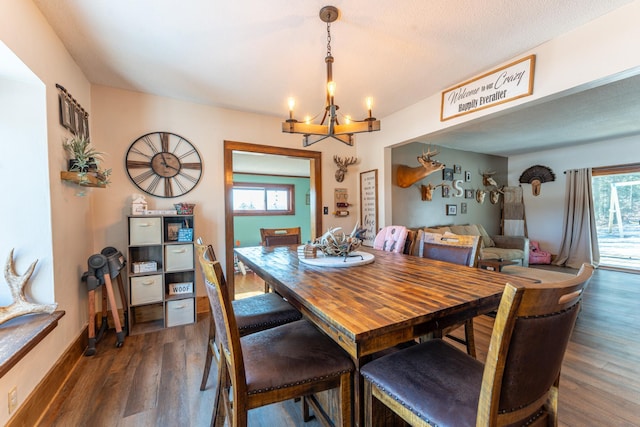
x=298, y=351
x=434, y=380
x=263, y=311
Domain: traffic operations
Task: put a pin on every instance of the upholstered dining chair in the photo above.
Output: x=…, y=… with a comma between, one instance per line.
x=274, y=365
x=456, y=249
x=434, y=383
x=391, y=238
x=253, y=314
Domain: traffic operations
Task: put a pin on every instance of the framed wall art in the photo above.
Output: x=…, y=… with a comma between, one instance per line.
x=447, y=174
x=369, y=205
x=452, y=210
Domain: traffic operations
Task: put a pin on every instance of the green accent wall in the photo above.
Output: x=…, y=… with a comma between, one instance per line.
x=247, y=228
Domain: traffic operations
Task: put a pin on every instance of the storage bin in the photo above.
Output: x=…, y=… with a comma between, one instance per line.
x=179, y=312
x=145, y=231
x=146, y=289
x=178, y=257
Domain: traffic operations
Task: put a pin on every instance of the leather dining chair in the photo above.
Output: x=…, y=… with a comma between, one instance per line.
x=286, y=362
x=253, y=314
x=456, y=249
x=434, y=383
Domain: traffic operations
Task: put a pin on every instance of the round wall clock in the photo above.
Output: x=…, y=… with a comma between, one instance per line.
x=163, y=164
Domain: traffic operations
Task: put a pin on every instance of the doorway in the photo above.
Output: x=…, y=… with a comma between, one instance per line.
x=315, y=192
x=616, y=197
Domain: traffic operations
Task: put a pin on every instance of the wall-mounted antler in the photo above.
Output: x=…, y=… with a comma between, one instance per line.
x=407, y=176
x=486, y=178
x=342, y=166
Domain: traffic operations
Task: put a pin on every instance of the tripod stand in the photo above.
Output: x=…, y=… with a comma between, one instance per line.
x=102, y=268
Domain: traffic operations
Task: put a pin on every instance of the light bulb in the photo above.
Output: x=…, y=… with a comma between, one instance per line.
x=292, y=103
x=347, y=120
x=307, y=120
x=331, y=87
x=369, y=103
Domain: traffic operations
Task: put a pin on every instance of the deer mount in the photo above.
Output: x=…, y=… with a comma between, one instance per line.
x=407, y=176
x=342, y=166
x=487, y=179
x=426, y=191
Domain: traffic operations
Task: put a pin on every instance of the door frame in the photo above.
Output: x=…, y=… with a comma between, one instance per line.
x=315, y=182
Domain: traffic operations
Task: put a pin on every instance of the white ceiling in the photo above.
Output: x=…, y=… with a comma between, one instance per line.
x=251, y=55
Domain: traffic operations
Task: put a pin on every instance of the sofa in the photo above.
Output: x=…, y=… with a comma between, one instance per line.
x=514, y=248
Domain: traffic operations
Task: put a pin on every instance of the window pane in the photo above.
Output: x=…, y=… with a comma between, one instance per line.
x=277, y=200
x=248, y=199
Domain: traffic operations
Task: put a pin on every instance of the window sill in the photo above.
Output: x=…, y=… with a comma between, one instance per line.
x=18, y=336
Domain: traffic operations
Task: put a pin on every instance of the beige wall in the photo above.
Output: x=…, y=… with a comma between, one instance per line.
x=62, y=255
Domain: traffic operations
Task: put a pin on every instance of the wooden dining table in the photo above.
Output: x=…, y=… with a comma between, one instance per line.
x=376, y=306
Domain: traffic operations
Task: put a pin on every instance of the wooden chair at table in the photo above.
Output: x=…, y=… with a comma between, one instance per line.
x=253, y=314
x=518, y=384
x=279, y=237
x=456, y=249
x=274, y=365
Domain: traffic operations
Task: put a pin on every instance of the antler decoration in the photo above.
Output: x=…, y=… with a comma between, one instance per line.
x=342, y=166
x=20, y=305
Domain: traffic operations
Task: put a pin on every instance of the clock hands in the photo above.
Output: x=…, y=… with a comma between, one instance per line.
x=165, y=164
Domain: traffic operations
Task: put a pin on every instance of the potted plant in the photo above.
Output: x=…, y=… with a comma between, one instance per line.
x=83, y=156
x=85, y=159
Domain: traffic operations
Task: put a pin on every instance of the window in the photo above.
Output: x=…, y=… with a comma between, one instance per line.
x=263, y=199
x=616, y=196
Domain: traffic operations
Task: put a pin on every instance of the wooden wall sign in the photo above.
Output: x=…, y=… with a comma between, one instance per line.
x=496, y=87
x=369, y=205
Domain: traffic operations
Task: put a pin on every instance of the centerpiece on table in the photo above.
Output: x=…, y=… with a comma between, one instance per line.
x=339, y=244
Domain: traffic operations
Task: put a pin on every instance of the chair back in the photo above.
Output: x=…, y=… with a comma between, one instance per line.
x=529, y=339
x=226, y=326
x=391, y=238
x=280, y=236
x=206, y=250
x=453, y=248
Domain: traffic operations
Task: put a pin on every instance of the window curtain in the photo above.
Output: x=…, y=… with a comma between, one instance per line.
x=579, y=235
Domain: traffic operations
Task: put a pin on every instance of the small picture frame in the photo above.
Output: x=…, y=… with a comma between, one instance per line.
x=452, y=210
x=445, y=191
x=467, y=176
x=65, y=111
x=447, y=174
x=463, y=208
x=468, y=194
x=457, y=169
x=173, y=230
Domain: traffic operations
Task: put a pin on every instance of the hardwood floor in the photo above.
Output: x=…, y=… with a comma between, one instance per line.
x=154, y=379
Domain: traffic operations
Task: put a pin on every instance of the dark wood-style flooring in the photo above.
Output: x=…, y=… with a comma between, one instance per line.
x=154, y=379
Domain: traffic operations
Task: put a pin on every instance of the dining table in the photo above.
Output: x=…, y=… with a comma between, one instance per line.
x=373, y=306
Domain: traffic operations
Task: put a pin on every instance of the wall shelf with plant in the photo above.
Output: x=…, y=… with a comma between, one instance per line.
x=84, y=164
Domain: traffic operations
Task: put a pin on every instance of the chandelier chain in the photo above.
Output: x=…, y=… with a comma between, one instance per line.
x=328, y=39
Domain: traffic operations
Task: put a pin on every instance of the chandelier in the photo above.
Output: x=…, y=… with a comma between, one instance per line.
x=330, y=127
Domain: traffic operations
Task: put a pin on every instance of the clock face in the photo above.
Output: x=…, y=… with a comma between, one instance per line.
x=163, y=164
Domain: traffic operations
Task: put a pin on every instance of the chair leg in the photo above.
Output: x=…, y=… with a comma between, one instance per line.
x=209, y=354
